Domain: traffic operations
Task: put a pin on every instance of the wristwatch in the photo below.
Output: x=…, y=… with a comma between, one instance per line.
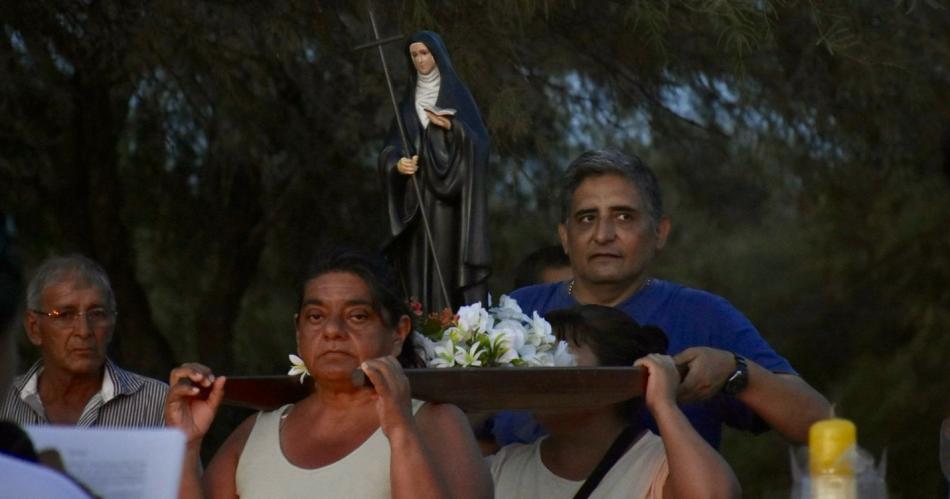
x=738, y=380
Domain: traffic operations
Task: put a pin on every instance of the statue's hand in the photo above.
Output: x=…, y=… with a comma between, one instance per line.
x=408, y=166
x=440, y=121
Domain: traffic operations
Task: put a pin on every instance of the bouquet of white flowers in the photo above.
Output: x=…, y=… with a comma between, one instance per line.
x=499, y=336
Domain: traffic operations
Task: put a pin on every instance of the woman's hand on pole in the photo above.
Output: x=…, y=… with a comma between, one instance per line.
x=393, y=403
x=193, y=398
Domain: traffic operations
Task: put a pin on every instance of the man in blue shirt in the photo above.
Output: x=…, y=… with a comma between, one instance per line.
x=612, y=229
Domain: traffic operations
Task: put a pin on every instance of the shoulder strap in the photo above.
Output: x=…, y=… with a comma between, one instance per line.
x=613, y=454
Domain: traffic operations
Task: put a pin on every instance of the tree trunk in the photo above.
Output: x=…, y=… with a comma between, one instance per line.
x=235, y=259
x=91, y=210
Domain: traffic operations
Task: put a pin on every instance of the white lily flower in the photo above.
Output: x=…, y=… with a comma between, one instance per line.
x=529, y=354
x=444, y=354
x=563, y=357
x=544, y=359
x=470, y=357
x=540, y=331
x=297, y=367
x=542, y=326
x=474, y=318
x=512, y=331
x=500, y=352
x=458, y=334
x=507, y=356
x=508, y=309
x=536, y=358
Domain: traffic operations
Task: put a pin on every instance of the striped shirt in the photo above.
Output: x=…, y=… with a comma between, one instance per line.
x=125, y=399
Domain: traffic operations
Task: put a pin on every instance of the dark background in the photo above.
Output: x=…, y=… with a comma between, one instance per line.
x=201, y=150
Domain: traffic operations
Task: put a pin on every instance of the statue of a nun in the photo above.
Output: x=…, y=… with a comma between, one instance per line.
x=450, y=166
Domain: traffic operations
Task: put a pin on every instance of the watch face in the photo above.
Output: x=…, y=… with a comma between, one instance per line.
x=739, y=379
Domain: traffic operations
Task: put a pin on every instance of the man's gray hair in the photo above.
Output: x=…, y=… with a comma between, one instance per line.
x=611, y=162
x=61, y=268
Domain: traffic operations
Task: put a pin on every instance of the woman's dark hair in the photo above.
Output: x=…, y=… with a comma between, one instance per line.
x=612, y=335
x=383, y=286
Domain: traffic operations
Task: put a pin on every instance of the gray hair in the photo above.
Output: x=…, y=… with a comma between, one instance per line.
x=611, y=162
x=61, y=268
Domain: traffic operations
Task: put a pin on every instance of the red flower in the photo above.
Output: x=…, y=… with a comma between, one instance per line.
x=415, y=305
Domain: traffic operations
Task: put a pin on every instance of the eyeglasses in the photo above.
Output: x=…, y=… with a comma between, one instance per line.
x=96, y=318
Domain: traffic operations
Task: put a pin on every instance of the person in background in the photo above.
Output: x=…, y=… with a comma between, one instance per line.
x=604, y=451
x=20, y=477
x=70, y=317
x=543, y=265
x=613, y=228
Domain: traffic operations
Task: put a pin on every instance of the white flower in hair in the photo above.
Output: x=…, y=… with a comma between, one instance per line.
x=298, y=367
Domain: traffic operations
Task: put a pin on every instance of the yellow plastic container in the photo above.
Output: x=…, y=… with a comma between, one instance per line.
x=832, y=447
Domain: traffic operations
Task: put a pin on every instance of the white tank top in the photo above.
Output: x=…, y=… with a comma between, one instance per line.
x=263, y=470
x=640, y=473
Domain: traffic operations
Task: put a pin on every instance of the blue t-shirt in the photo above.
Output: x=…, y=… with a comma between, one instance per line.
x=689, y=317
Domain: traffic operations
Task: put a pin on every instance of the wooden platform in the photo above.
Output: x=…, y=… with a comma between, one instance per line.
x=472, y=389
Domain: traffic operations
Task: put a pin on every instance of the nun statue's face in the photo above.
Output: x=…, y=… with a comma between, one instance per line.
x=421, y=58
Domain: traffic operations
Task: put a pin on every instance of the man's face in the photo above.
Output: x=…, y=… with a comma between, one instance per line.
x=338, y=328
x=77, y=346
x=609, y=235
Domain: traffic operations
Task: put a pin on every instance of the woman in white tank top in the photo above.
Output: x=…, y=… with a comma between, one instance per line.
x=342, y=440
x=571, y=460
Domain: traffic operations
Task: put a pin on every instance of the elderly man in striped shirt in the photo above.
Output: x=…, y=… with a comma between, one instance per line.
x=70, y=316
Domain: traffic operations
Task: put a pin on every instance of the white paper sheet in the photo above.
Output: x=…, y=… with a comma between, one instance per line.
x=118, y=463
